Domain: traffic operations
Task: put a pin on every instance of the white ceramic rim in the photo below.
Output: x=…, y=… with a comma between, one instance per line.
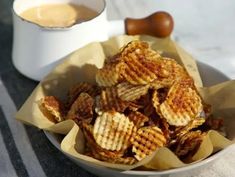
x=164, y=172
x=59, y=28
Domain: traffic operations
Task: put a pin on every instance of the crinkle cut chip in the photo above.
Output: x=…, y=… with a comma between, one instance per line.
x=156, y=101
x=146, y=141
x=52, y=108
x=181, y=105
x=129, y=92
x=189, y=143
x=132, y=47
x=82, y=108
x=79, y=88
x=109, y=100
x=141, y=50
x=109, y=75
x=135, y=72
x=112, y=131
x=180, y=131
x=94, y=147
x=118, y=160
x=138, y=118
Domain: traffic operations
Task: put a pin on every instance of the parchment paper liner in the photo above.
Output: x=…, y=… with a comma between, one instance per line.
x=82, y=65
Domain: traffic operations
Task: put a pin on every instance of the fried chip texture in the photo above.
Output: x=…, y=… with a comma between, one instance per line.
x=129, y=92
x=112, y=131
x=156, y=101
x=79, y=88
x=138, y=118
x=82, y=108
x=146, y=141
x=109, y=100
x=181, y=105
x=134, y=46
x=109, y=75
x=180, y=131
x=94, y=147
x=189, y=143
x=135, y=72
x=118, y=160
x=52, y=108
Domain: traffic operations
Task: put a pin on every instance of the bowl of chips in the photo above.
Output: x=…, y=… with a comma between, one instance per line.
x=133, y=110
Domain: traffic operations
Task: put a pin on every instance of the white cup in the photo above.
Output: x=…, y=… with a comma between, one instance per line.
x=37, y=49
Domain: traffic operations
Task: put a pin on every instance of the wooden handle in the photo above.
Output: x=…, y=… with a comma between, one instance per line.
x=159, y=24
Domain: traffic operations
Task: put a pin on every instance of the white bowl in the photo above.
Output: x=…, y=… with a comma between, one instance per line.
x=210, y=76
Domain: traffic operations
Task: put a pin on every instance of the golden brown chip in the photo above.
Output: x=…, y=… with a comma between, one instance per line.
x=82, y=108
x=113, y=59
x=146, y=141
x=109, y=75
x=112, y=131
x=138, y=118
x=174, y=69
x=180, y=131
x=94, y=147
x=165, y=127
x=135, y=72
x=118, y=160
x=156, y=101
x=167, y=70
x=79, y=88
x=140, y=49
x=129, y=92
x=189, y=143
x=150, y=54
x=52, y=108
x=132, y=106
x=133, y=46
x=109, y=101
x=161, y=83
x=182, y=104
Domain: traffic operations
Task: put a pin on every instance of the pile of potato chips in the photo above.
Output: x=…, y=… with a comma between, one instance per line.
x=142, y=102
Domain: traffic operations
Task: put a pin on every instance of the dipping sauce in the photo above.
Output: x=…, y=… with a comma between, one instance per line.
x=58, y=15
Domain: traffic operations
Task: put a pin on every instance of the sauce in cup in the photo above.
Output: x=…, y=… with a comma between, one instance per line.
x=58, y=15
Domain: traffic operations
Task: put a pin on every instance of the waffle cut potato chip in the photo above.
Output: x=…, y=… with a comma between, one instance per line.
x=188, y=144
x=161, y=83
x=82, y=108
x=138, y=118
x=118, y=160
x=95, y=148
x=141, y=50
x=135, y=72
x=129, y=92
x=182, y=104
x=112, y=131
x=156, y=101
x=52, y=108
x=79, y=88
x=146, y=141
x=175, y=69
x=108, y=100
x=180, y=131
x=133, y=46
x=109, y=75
